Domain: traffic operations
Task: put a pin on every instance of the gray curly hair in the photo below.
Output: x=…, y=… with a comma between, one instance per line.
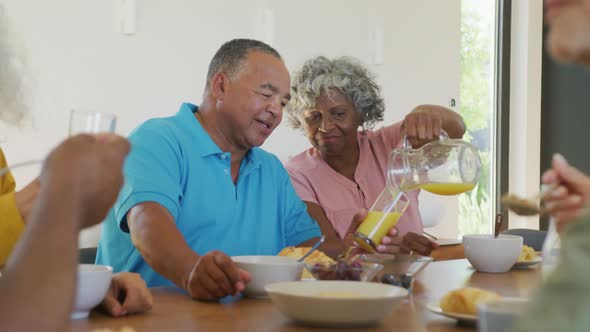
x=344, y=74
x=13, y=109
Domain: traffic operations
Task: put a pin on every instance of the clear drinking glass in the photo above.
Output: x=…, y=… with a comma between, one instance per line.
x=80, y=122
x=382, y=216
x=90, y=122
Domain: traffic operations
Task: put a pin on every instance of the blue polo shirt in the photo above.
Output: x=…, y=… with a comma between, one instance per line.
x=175, y=163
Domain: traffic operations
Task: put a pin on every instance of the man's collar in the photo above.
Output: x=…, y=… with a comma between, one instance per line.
x=207, y=145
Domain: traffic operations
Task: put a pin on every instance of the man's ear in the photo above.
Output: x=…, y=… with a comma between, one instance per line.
x=219, y=83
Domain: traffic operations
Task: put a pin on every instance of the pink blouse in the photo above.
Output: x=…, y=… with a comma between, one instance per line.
x=316, y=182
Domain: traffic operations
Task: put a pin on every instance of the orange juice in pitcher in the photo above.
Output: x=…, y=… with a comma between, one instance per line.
x=448, y=189
x=443, y=167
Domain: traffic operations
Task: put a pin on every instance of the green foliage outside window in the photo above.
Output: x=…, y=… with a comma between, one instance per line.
x=476, y=71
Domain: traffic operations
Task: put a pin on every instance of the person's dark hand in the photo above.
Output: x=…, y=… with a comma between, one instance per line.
x=417, y=243
x=423, y=124
x=410, y=243
x=388, y=243
x=354, y=225
x=215, y=276
x=127, y=294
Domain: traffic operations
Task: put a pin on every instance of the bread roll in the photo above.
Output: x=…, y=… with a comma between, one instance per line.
x=465, y=300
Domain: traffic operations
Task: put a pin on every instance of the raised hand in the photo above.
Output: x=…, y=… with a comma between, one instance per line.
x=567, y=201
x=90, y=166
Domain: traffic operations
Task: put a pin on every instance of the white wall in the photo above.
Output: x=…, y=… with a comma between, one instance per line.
x=77, y=57
x=525, y=104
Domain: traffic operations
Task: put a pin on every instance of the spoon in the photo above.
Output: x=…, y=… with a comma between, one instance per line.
x=498, y=225
x=526, y=206
x=315, y=246
x=430, y=235
x=520, y=206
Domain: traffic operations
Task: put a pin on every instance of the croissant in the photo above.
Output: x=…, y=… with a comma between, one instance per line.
x=465, y=300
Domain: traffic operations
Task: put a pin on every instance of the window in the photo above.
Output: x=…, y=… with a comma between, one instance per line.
x=478, y=58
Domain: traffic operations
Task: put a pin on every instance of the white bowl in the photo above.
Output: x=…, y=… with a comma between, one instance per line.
x=93, y=283
x=501, y=315
x=335, y=303
x=489, y=254
x=266, y=270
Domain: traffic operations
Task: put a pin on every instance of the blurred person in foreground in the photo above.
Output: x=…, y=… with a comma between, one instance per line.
x=20, y=285
x=79, y=182
x=15, y=209
x=563, y=302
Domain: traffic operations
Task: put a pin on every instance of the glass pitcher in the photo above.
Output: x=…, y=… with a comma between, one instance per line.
x=444, y=167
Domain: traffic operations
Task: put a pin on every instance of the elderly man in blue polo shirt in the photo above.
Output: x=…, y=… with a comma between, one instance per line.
x=198, y=189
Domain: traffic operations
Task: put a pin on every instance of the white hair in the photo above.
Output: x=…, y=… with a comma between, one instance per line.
x=13, y=109
x=344, y=74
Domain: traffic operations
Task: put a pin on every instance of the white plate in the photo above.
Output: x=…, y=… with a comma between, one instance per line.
x=448, y=242
x=532, y=262
x=335, y=303
x=435, y=308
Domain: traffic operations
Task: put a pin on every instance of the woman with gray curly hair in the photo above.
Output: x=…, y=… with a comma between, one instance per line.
x=344, y=171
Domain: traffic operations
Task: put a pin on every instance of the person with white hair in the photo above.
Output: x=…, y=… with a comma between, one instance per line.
x=336, y=103
x=15, y=206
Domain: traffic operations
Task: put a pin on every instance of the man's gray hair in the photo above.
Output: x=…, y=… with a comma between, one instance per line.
x=230, y=56
x=13, y=110
x=345, y=75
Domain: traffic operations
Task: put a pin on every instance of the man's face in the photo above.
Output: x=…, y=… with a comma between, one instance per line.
x=569, y=30
x=252, y=103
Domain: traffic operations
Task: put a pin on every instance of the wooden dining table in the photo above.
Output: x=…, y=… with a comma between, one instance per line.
x=173, y=310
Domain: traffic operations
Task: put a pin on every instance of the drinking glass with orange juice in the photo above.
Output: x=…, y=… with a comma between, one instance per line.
x=382, y=216
x=443, y=167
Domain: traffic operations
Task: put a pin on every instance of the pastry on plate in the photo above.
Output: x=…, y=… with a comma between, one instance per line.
x=465, y=300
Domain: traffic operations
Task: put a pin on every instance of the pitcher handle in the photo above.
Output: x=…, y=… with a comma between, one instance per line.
x=407, y=145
